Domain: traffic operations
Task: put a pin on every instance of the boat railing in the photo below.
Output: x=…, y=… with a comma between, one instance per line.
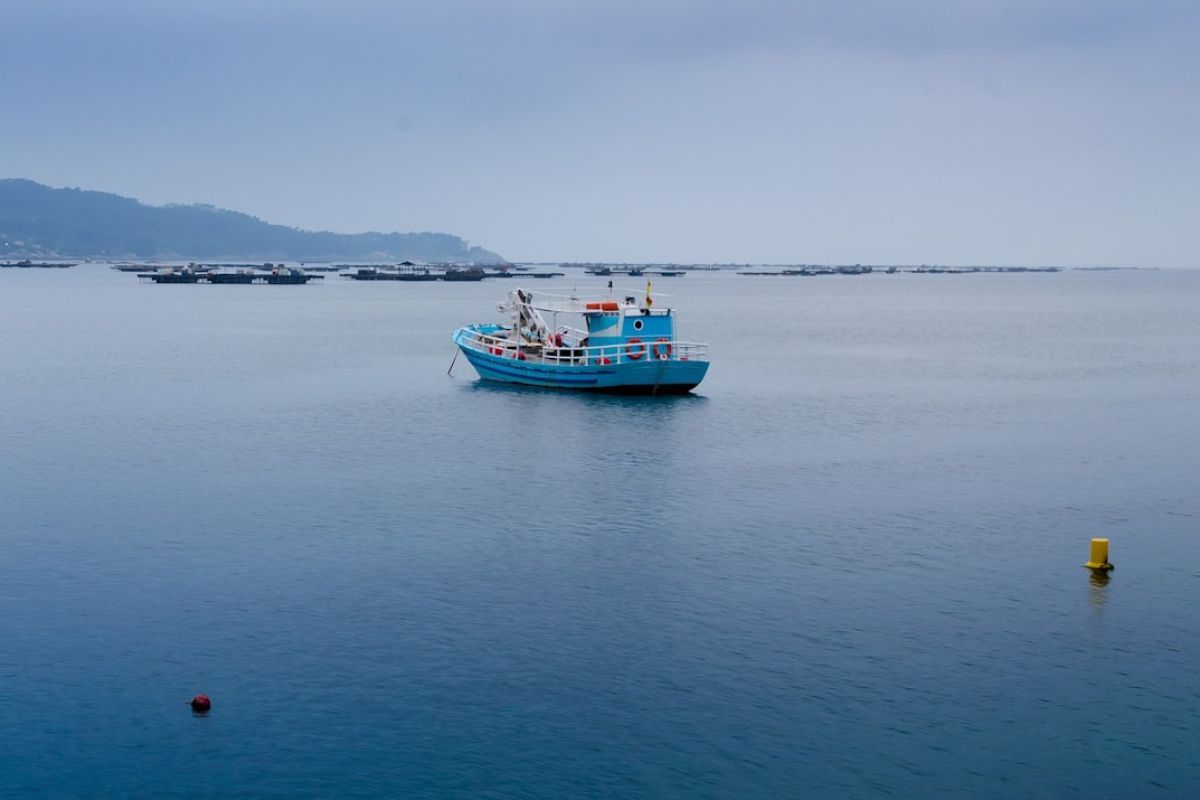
x=597, y=355
x=575, y=334
x=570, y=304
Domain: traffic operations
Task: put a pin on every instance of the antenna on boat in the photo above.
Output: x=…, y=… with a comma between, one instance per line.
x=517, y=326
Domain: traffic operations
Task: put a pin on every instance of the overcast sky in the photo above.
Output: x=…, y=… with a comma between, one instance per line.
x=843, y=131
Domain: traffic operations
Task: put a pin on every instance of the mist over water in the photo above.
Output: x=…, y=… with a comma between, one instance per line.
x=849, y=565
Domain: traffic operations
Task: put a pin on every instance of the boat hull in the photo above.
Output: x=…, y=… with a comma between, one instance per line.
x=647, y=376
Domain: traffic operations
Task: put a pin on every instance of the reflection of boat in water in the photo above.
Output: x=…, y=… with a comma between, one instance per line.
x=624, y=346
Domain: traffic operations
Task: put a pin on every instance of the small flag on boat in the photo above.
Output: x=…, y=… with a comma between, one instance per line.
x=649, y=299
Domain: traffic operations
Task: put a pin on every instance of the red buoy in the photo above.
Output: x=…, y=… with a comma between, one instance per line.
x=201, y=704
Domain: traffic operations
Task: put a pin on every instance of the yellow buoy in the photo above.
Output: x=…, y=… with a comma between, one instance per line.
x=1099, y=559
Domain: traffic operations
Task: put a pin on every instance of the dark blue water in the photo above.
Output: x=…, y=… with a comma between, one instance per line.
x=849, y=566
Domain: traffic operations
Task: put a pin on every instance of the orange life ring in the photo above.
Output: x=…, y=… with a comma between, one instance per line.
x=635, y=353
x=659, y=343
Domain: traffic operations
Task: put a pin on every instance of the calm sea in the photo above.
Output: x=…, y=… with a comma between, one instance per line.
x=848, y=566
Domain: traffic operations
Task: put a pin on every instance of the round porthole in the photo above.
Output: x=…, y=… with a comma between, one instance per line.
x=637, y=325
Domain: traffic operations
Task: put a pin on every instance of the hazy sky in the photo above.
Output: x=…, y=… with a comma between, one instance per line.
x=873, y=131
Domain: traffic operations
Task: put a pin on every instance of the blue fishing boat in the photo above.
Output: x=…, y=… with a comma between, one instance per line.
x=623, y=346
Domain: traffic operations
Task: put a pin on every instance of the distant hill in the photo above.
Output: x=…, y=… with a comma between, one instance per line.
x=42, y=222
